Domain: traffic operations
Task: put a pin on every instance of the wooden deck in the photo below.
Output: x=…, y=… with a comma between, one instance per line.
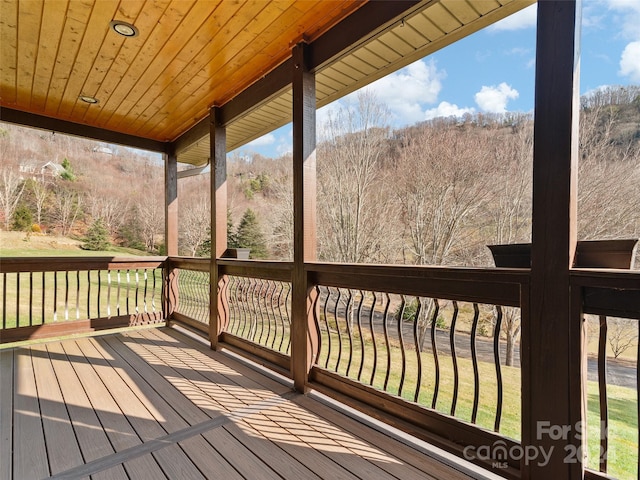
x=155, y=403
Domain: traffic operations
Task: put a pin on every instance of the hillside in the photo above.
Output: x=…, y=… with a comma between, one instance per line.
x=432, y=193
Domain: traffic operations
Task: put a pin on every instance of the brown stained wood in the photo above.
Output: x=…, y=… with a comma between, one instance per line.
x=30, y=456
x=48, y=264
x=429, y=468
x=62, y=448
x=57, y=329
x=168, y=414
x=6, y=413
x=304, y=215
x=171, y=204
x=279, y=440
x=289, y=466
x=118, y=429
x=242, y=459
x=218, y=317
x=550, y=343
x=92, y=439
x=140, y=417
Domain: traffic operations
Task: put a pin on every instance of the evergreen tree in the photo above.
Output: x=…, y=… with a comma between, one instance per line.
x=22, y=218
x=67, y=174
x=97, y=237
x=232, y=237
x=249, y=235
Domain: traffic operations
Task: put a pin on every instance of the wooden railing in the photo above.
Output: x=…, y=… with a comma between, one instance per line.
x=43, y=297
x=611, y=296
x=418, y=347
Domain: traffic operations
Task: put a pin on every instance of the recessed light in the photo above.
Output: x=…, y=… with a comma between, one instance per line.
x=88, y=99
x=123, y=28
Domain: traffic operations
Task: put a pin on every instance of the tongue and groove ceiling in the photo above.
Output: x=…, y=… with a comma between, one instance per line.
x=190, y=55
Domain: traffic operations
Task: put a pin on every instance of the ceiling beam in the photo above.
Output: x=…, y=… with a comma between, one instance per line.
x=358, y=27
x=33, y=120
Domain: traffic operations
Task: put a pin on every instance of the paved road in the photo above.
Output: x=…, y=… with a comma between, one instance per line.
x=619, y=373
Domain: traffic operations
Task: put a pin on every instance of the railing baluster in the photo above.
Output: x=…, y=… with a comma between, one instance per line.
x=434, y=348
x=374, y=342
x=108, y=293
x=335, y=316
x=77, y=294
x=454, y=358
x=385, y=326
x=348, y=320
x=66, y=295
x=326, y=321
x=18, y=299
x=359, y=314
x=144, y=295
x=137, y=302
x=128, y=275
x=4, y=300
x=602, y=389
x=55, y=296
x=496, y=356
x=261, y=295
x=44, y=290
x=401, y=340
x=418, y=350
x=99, y=292
x=118, y=295
x=287, y=307
x=30, y=299
x=474, y=359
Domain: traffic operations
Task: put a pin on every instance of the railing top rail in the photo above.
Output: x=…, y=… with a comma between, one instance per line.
x=606, y=278
x=499, y=286
x=264, y=269
x=48, y=264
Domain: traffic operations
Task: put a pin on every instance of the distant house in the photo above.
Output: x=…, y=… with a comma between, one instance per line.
x=103, y=149
x=37, y=169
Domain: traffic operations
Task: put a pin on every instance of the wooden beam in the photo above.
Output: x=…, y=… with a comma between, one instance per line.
x=85, y=131
x=357, y=27
x=171, y=203
x=218, y=319
x=304, y=340
x=551, y=337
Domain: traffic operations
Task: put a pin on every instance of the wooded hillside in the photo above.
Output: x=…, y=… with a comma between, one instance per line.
x=436, y=192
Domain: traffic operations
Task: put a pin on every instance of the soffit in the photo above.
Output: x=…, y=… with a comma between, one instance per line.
x=425, y=29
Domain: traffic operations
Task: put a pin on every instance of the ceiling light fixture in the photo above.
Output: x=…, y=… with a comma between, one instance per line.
x=88, y=99
x=123, y=28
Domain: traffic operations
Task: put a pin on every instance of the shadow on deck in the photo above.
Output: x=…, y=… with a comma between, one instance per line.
x=157, y=403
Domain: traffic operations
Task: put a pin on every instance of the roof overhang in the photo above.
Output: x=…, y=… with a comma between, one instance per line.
x=351, y=44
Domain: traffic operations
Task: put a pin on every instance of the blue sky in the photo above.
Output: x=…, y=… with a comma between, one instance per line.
x=493, y=70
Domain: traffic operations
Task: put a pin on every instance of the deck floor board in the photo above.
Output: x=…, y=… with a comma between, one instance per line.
x=155, y=403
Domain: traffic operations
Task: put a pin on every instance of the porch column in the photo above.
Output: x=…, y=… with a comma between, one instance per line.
x=303, y=336
x=171, y=203
x=551, y=338
x=218, y=319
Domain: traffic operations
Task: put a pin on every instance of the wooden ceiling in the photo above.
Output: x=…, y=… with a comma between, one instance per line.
x=192, y=54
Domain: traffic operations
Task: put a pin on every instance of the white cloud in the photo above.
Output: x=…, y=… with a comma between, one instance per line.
x=268, y=139
x=525, y=18
x=494, y=99
x=406, y=90
x=446, y=109
x=630, y=62
x=628, y=17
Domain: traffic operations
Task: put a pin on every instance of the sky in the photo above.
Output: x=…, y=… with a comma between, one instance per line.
x=493, y=71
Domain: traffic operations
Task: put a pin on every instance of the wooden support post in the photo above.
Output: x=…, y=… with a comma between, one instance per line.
x=551, y=337
x=303, y=335
x=171, y=203
x=218, y=316
x=170, y=231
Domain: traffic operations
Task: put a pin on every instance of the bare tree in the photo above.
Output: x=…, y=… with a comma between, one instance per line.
x=40, y=192
x=68, y=205
x=622, y=334
x=439, y=186
x=281, y=219
x=194, y=223
x=11, y=188
x=510, y=208
x=150, y=218
x=353, y=214
x=609, y=179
